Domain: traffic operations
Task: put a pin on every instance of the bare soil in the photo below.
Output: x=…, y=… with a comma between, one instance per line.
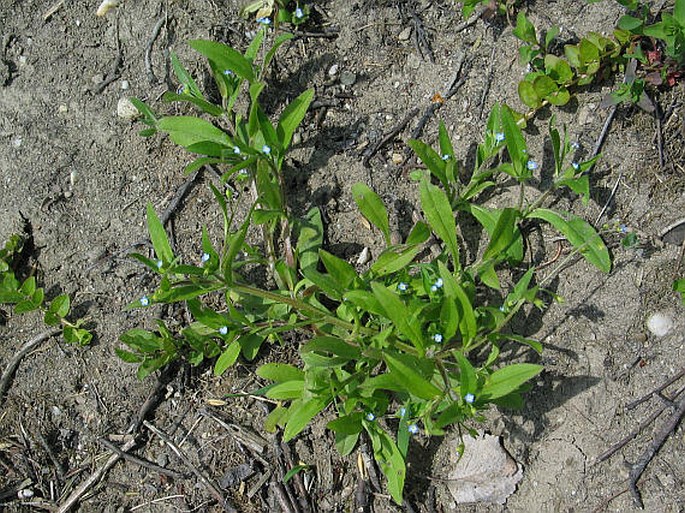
x=81, y=177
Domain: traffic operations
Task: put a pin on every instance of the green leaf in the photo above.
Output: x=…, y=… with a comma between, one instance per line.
x=558, y=69
x=300, y=415
x=189, y=130
x=402, y=369
x=552, y=32
x=309, y=239
x=580, y=234
x=490, y=219
x=291, y=473
x=371, y=206
x=332, y=345
x=468, y=383
x=250, y=344
x=508, y=379
x=390, y=460
x=24, y=307
x=467, y=319
x=203, y=104
x=280, y=372
x=430, y=159
x=504, y=236
x=141, y=340
x=225, y=58
x=128, y=356
x=399, y=314
x=288, y=390
x=292, y=117
x=524, y=29
x=60, y=305
x=630, y=23
x=516, y=144
x=227, y=358
x=282, y=38
x=394, y=259
x=440, y=217
x=528, y=95
x=679, y=286
x=679, y=12
x=78, y=336
x=341, y=271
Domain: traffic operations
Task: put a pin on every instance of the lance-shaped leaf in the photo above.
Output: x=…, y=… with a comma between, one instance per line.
x=371, y=206
x=188, y=131
x=225, y=57
x=580, y=234
x=158, y=236
x=440, y=217
x=508, y=379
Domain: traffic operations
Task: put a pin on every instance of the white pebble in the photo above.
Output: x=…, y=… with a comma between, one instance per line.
x=126, y=109
x=660, y=323
x=26, y=493
x=124, y=85
x=333, y=70
x=364, y=256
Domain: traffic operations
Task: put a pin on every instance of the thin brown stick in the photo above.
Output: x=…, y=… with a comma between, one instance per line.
x=471, y=21
x=11, y=367
x=654, y=447
x=369, y=153
x=488, y=81
x=602, y=135
x=656, y=391
x=223, y=501
x=611, y=197
x=148, y=49
x=141, y=462
x=76, y=495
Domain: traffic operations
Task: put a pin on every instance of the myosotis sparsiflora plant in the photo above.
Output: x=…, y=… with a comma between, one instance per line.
x=412, y=344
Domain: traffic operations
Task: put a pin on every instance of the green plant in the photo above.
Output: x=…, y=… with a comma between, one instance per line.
x=282, y=11
x=410, y=342
x=26, y=296
x=552, y=78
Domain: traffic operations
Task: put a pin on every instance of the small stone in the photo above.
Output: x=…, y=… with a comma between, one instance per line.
x=660, y=323
x=333, y=70
x=364, y=256
x=126, y=109
x=62, y=109
x=347, y=78
x=397, y=158
x=405, y=34
x=124, y=85
x=297, y=138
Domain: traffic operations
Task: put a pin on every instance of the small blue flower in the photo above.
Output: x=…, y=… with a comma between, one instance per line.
x=469, y=398
x=402, y=287
x=503, y=309
x=575, y=145
x=242, y=173
x=499, y=137
x=532, y=165
x=181, y=89
x=145, y=301
x=438, y=283
x=159, y=264
x=223, y=330
x=402, y=411
x=205, y=258
x=266, y=149
x=575, y=165
x=446, y=156
x=623, y=228
x=413, y=429
x=524, y=151
x=437, y=338
x=264, y=20
x=228, y=73
x=236, y=150
x=370, y=417
x=299, y=13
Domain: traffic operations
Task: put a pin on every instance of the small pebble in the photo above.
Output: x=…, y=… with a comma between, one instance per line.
x=124, y=85
x=126, y=109
x=405, y=34
x=660, y=323
x=62, y=109
x=333, y=70
x=397, y=158
x=364, y=256
x=347, y=78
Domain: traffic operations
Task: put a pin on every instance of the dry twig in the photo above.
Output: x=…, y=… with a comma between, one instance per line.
x=139, y=461
x=216, y=493
x=19, y=355
x=148, y=48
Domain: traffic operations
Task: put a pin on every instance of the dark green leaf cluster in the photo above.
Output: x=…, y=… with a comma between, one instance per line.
x=26, y=296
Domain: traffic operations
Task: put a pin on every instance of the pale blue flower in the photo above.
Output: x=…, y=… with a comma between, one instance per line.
x=236, y=150
x=299, y=13
x=145, y=301
x=266, y=149
x=446, y=156
x=159, y=264
x=413, y=429
x=370, y=417
x=469, y=398
x=205, y=258
x=499, y=137
x=264, y=20
x=503, y=309
x=402, y=286
x=402, y=411
x=575, y=165
x=228, y=73
x=575, y=145
x=437, y=338
x=532, y=165
x=181, y=89
x=623, y=228
x=437, y=285
x=223, y=330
